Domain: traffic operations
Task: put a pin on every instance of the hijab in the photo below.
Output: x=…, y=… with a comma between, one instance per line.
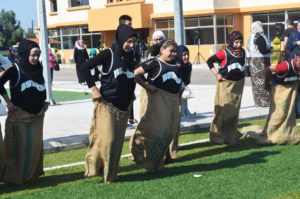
x=180, y=50
x=158, y=33
x=79, y=44
x=257, y=27
x=34, y=72
x=124, y=58
x=233, y=36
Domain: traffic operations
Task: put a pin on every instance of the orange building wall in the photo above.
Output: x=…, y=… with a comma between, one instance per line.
x=107, y=19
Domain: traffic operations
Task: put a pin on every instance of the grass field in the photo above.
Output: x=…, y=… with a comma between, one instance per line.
x=62, y=96
x=245, y=170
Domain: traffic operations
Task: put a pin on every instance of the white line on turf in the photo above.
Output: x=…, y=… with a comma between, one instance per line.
x=123, y=156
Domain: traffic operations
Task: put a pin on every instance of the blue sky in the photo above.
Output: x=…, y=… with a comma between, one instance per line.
x=25, y=11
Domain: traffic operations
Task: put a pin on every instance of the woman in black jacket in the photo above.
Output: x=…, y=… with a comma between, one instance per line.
x=112, y=103
x=80, y=57
x=24, y=123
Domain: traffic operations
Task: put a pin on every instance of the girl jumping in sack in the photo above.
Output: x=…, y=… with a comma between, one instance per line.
x=230, y=84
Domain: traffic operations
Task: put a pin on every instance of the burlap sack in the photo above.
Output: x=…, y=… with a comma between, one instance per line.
x=23, y=146
x=223, y=129
x=281, y=127
x=158, y=126
x=106, y=141
x=172, y=153
x=143, y=102
x=1, y=153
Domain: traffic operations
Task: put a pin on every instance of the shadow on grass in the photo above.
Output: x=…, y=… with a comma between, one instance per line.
x=242, y=145
x=42, y=182
x=252, y=158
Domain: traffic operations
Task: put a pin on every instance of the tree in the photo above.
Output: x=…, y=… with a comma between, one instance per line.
x=10, y=30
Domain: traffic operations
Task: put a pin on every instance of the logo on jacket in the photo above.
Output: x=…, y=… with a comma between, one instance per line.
x=234, y=66
x=120, y=71
x=171, y=75
x=32, y=84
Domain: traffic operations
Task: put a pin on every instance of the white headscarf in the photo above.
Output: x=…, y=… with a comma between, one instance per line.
x=257, y=27
x=158, y=33
x=78, y=44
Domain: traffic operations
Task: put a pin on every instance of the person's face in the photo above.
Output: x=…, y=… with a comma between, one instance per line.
x=34, y=56
x=168, y=54
x=298, y=27
x=129, y=43
x=185, y=57
x=158, y=40
x=237, y=43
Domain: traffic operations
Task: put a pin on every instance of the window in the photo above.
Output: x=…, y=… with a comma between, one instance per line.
x=65, y=38
x=69, y=41
x=270, y=21
x=76, y=3
x=224, y=26
x=53, y=5
x=294, y=15
x=167, y=26
x=199, y=29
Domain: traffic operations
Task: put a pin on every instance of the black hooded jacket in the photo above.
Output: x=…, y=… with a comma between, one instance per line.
x=27, y=86
x=116, y=67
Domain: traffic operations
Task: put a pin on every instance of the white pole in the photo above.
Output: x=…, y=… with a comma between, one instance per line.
x=178, y=22
x=43, y=36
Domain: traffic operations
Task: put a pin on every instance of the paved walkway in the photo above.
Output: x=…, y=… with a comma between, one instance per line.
x=66, y=125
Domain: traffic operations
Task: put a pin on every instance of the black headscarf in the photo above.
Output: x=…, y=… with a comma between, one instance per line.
x=35, y=72
x=180, y=50
x=184, y=69
x=231, y=37
x=123, y=33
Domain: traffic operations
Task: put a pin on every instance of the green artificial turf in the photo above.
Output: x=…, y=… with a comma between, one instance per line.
x=245, y=170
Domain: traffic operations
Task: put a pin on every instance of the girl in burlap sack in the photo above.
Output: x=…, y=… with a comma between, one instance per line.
x=112, y=104
x=281, y=125
x=24, y=123
x=184, y=71
x=230, y=85
x=159, y=122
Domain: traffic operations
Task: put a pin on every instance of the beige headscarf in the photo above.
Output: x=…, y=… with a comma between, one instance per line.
x=257, y=27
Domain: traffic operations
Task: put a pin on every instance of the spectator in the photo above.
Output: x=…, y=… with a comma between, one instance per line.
x=293, y=44
x=288, y=31
x=157, y=37
x=80, y=57
x=52, y=62
x=259, y=50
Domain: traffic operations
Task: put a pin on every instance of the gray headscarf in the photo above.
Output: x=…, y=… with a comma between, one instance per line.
x=257, y=27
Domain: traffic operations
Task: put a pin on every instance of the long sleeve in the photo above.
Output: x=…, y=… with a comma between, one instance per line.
x=217, y=58
x=75, y=55
x=262, y=45
x=103, y=58
x=11, y=74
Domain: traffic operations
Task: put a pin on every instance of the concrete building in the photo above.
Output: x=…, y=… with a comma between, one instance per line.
x=206, y=22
